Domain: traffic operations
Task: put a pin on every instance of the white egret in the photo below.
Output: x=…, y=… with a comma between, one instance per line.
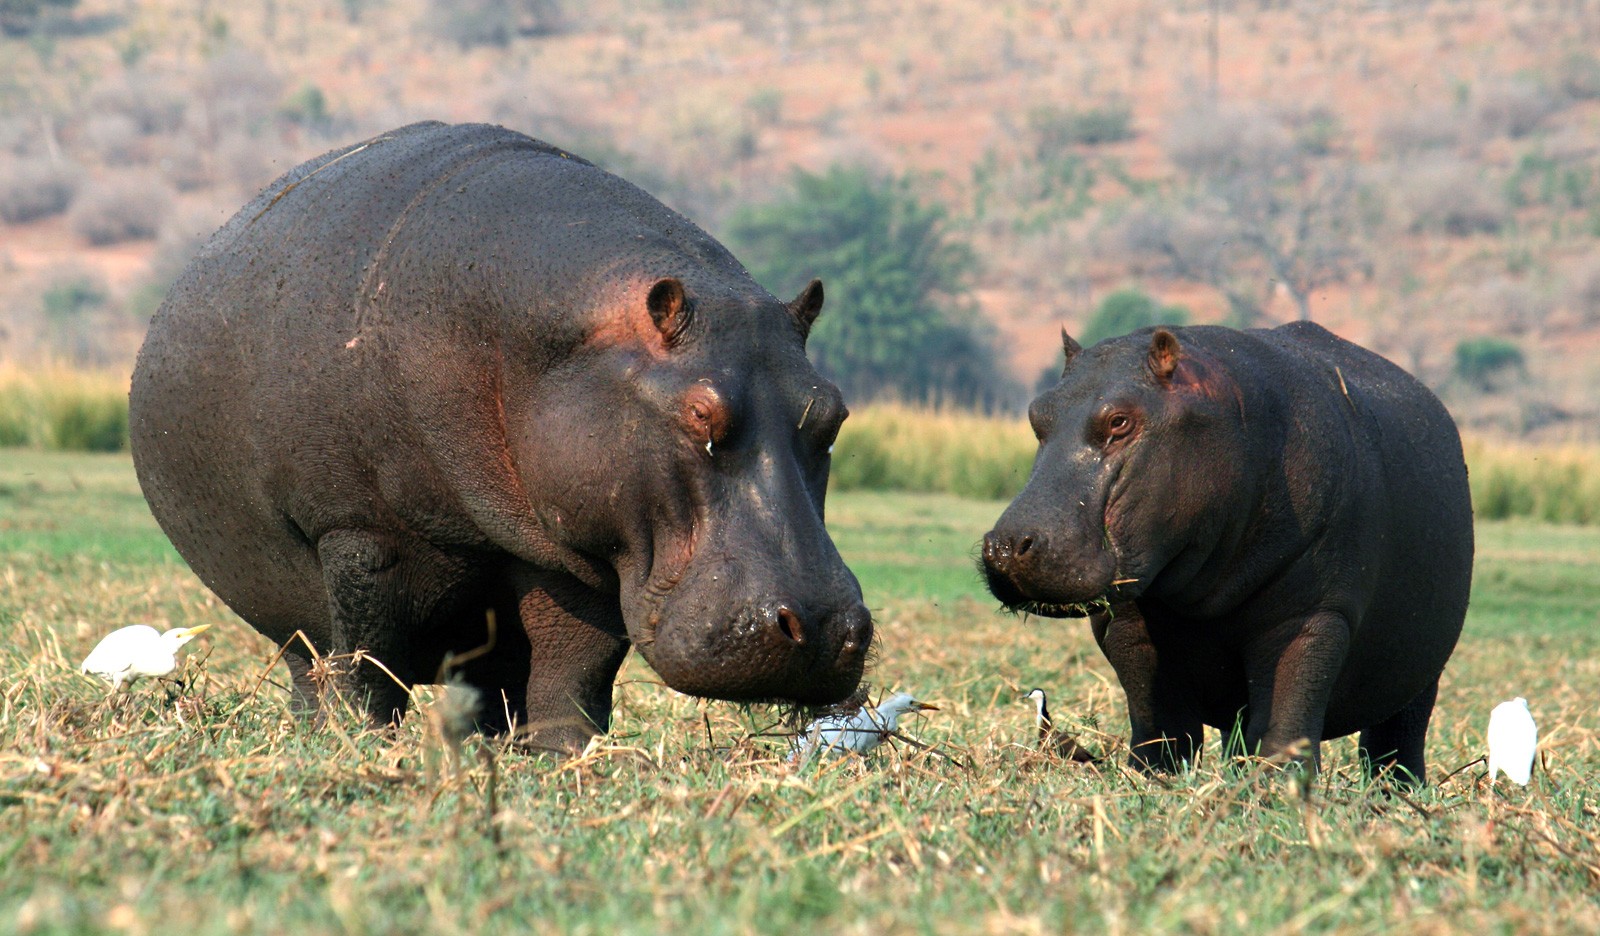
x=1513, y=739
x=1055, y=742
x=860, y=731
x=128, y=653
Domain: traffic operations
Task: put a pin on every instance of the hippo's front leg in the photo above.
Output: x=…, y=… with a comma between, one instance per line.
x=1166, y=734
x=578, y=643
x=1292, y=671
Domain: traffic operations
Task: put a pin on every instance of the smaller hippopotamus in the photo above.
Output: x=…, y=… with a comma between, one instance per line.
x=1270, y=531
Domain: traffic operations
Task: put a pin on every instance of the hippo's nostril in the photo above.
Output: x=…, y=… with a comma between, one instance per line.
x=1023, y=545
x=858, y=631
x=789, y=625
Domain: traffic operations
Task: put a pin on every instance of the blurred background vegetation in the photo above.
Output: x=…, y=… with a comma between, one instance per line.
x=966, y=176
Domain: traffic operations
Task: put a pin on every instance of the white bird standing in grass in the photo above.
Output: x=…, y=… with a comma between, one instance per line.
x=124, y=655
x=859, y=732
x=1513, y=739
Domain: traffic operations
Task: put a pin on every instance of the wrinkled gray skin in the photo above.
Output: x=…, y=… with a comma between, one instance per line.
x=1279, y=522
x=454, y=369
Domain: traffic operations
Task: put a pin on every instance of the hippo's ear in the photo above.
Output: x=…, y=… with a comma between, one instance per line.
x=1071, y=347
x=807, y=306
x=669, y=308
x=1164, y=353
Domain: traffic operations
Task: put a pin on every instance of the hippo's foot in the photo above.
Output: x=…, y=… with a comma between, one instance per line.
x=567, y=735
x=1393, y=748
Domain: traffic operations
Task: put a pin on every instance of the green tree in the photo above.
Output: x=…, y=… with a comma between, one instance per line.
x=900, y=320
x=1119, y=313
x=1486, y=362
x=1128, y=310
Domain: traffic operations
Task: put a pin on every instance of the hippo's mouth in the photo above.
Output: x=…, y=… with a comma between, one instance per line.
x=1076, y=609
x=1015, y=599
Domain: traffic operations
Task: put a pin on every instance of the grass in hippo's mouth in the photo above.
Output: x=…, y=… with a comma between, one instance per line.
x=1077, y=609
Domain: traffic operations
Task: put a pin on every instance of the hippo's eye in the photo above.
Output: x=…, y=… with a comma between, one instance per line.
x=1118, y=426
x=705, y=416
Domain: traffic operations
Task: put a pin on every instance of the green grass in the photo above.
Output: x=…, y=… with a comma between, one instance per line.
x=213, y=811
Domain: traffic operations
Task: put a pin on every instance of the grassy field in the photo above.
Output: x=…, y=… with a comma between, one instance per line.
x=212, y=811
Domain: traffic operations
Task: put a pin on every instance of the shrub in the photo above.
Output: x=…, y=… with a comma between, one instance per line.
x=154, y=103
x=121, y=208
x=114, y=138
x=68, y=298
x=765, y=106
x=184, y=166
x=1510, y=305
x=22, y=17
x=1583, y=289
x=471, y=23
x=35, y=188
x=1420, y=129
x=1230, y=142
x=249, y=163
x=307, y=107
x=1513, y=108
x=236, y=93
x=1481, y=361
x=1449, y=195
x=1055, y=128
x=1578, y=76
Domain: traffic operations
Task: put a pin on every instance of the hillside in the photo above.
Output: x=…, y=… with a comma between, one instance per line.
x=1469, y=132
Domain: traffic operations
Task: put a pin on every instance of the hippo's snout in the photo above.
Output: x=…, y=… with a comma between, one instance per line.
x=775, y=649
x=1028, y=572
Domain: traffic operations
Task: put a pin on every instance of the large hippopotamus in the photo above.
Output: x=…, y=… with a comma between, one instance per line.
x=453, y=369
x=1270, y=531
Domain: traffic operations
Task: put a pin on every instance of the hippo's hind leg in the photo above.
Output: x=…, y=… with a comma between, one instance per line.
x=1396, y=744
x=382, y=587
x=577, y=642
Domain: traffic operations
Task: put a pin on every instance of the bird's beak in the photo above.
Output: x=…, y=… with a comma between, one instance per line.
x=925, y=707
x=196, y=630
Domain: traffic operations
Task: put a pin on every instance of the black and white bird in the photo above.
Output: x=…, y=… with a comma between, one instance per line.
x=857, y=732
x=1513, y=741
x=128, y=653
x=1051, y=741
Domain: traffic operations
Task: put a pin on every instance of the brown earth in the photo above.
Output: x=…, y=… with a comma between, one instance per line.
x=732, y=95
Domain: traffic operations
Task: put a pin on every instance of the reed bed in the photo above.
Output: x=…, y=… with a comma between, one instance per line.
x=60, y=408
x=883, y=447
x=1553, y=483
x=895, y=447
